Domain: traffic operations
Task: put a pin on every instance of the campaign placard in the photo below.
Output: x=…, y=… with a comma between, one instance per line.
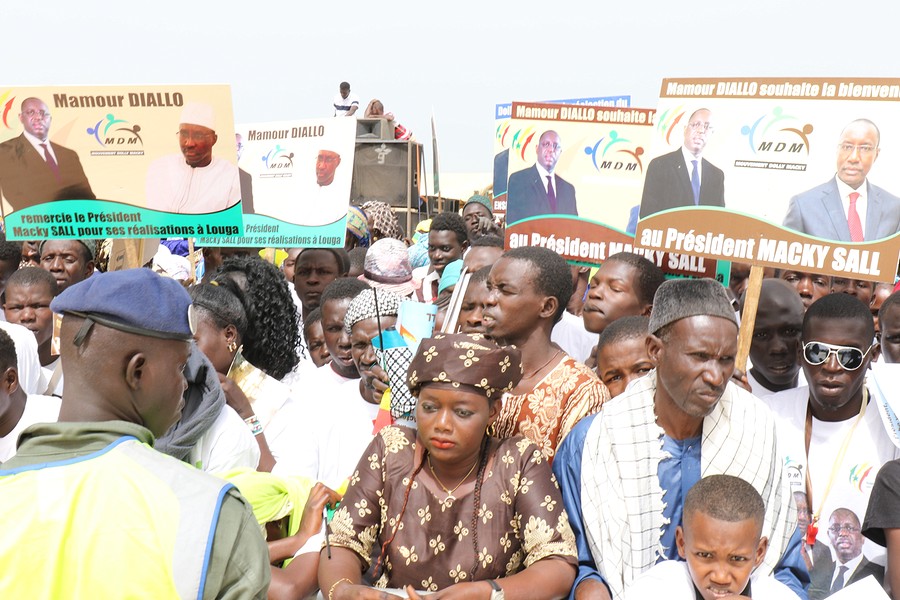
x=295, y=181
x=505, y=136
x=787, y=173
x=575, y=179
x=118, y=162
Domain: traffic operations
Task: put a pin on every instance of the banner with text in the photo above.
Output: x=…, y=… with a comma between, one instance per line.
x=575, y=182
x=295, y=182
x=118, y=162
x=786, y=173
x=506, y=137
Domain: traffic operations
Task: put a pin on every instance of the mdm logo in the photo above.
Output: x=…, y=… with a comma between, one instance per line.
x=605, y=154
x=107, y=134
x=777, y=132
x=278, y=158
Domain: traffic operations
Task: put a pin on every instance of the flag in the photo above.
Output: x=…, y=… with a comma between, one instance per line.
x=434, y=152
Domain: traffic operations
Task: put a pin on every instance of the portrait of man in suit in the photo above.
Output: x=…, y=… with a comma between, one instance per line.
x=848, y=207
x=850, y=565
x=33, y=169
x=684, y=177
x=537, y=190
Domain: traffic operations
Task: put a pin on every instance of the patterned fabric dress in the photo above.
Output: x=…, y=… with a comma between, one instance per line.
x=547, y=414
x=520, y=519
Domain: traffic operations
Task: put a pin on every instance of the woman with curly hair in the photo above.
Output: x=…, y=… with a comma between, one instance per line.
x=263, y=402
x=449, y=508
x=272, y=339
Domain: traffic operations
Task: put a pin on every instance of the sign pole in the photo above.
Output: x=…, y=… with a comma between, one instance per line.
x=748, y=316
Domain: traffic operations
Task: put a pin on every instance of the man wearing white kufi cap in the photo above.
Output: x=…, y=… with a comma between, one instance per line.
x=194, y=181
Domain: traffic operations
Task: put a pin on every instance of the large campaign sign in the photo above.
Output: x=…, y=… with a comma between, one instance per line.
x=575, y=178
x=786, y=173
x=505, y=137
x=118, y=162
x=295, y=182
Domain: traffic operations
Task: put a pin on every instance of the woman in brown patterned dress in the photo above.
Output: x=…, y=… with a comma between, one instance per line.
x=449, y=508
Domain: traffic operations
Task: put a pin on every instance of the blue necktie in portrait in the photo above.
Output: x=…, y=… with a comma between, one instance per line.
x=551, y=194
x=695, y=182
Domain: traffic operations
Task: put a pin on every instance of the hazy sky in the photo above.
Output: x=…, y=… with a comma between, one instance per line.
x=284, y=59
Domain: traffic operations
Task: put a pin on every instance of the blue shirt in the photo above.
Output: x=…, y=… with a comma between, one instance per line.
x=676, y=476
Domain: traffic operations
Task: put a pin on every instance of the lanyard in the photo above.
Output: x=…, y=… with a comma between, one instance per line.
x=812, y=529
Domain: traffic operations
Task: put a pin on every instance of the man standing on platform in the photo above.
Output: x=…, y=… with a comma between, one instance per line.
x=345, y=103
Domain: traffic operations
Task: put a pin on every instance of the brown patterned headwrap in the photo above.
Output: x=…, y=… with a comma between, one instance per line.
x=466, y=360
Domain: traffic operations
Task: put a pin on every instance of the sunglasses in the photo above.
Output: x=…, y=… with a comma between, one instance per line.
x=850, y=359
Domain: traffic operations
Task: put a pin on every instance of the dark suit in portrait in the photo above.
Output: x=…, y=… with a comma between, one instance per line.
x=501, y=172
x=820, y=580
x=26, y=179
x=526, y=196
x=820, y=212
x=668, y=184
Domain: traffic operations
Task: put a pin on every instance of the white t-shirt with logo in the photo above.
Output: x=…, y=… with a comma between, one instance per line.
x=869, y=448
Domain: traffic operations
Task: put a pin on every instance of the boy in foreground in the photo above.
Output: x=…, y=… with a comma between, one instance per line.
x=722, y=543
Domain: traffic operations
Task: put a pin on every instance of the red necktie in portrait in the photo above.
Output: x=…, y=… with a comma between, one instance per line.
x=856, y=230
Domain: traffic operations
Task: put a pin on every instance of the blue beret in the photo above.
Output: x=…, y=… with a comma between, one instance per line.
x=134, y=300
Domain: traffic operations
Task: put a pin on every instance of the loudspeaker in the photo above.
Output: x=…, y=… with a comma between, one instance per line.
x=388, y=171
x=376, y=129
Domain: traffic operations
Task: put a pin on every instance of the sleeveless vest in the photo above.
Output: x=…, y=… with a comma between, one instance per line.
x=125, y=521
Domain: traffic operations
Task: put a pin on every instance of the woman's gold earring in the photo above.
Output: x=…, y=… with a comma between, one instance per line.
x=491, y=429
x=232, y=346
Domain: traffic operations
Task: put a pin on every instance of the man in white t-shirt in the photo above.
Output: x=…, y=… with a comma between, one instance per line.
x=320, y=394
x=345, y=103
x=344, y=419
x=18, y=410
x=29, y=366
x=847, y=439
x=27, y=298
x=774, y=351
x=317, y=384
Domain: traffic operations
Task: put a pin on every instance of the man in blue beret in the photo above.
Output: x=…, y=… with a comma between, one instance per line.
x=108, y=515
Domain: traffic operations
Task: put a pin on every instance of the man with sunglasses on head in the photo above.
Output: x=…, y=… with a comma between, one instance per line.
x=847, y=207
x=832, y=435
x=34, y=169
x=539, y=190
x=194, y=181
x=684, y=177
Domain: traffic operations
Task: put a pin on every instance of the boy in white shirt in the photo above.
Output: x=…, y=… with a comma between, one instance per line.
x=721, y=542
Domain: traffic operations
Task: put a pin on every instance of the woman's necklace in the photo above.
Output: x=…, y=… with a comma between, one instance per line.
x=450, y=497
x=542, y=367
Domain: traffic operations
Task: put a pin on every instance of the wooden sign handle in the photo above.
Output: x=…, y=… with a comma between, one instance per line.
x=748, y=317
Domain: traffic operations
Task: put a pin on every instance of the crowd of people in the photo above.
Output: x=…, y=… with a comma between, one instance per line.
x=572, y=435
